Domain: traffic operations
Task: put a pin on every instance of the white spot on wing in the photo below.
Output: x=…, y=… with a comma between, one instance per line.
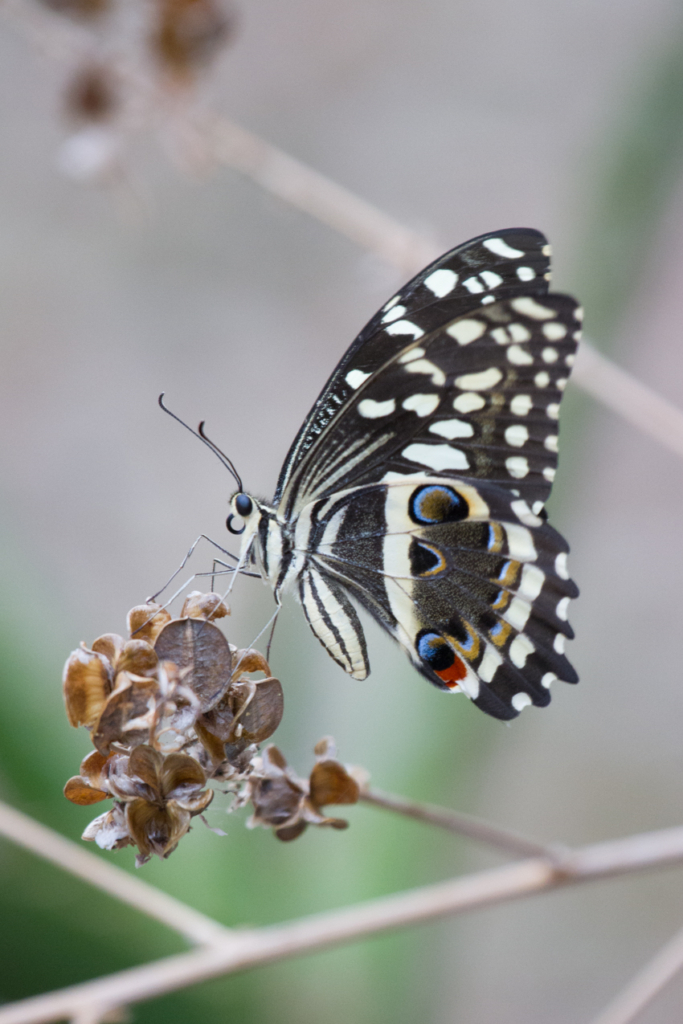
x=521, y=701
x=529, y=307
x=548, y=679
x=561, y=565
x=436, y=456
x=520, y=649
x=500, y=248
x=491, y=279
x=393, y=314
x=519, y=332
x=500, y=336
x=517, y=466
x=520, y=543
x=517, y=613
x=431, y=369
x=526, y=273
x=554, y=332
x=519, y=356
x=469, y=402
x=517, y=435
x=391, y=303
x=562, y=609
x=489, y=663
x=404, y=327
x=520, y=405
x=423, y=405
x=479, y=381
x=532, y=581
x=549, y=354
x=411, y=354
x=524, y=513
x=551, y=442
x=549, y=473
x=451, y=429
x=373, y=410
x=473, y=285
x=354, y=378
x=559, y=643
x=553, y=411
x=542, y=379
x=466, y=331
x=441, y=282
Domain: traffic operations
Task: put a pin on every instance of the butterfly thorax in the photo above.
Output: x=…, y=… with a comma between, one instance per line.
x=268, y=543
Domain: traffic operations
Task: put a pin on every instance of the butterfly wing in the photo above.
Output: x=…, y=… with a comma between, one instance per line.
x=484, y=270
x=471, y=584
x=420, y=487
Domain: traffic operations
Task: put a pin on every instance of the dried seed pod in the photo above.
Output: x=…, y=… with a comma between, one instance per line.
x=110, y=830
x=330, y=783
x=146, y=621
x=202, y=655
x=249, y=661
x=86, y=686
x=187, y=35
x=128, y=714
x=204, y=606
x=110, y=646
x=92, y=95
x=79, y=791
x=137, y=657
x=263, y=713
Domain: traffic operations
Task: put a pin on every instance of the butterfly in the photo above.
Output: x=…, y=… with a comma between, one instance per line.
x=417, y=483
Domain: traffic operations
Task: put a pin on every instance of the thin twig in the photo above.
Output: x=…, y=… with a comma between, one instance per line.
x=50, y=845
x=647, y=984
x=252, y=947
x=463, y=824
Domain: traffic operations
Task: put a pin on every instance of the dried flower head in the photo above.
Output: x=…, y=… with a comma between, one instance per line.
x=173, y=707
x=188, y=33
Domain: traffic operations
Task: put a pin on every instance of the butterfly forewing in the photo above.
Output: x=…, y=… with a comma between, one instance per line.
x=482, y=271
x=477, y=399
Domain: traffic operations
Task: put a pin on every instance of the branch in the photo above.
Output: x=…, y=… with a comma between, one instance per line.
x=462, y=824
x=646, y=985
x=252, y=947
x=46, y=843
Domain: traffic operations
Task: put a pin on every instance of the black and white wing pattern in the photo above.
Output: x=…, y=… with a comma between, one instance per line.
x=418, y=482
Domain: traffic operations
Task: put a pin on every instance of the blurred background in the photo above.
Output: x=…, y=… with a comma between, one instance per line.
x=456, y=117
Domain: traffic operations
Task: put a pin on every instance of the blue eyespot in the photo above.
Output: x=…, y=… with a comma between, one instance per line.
x=436, y=503
x=436, y=651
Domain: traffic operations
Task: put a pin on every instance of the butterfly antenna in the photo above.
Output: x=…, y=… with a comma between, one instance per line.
x=227, y=463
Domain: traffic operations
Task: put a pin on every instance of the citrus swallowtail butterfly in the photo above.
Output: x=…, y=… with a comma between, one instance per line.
x=417, y=483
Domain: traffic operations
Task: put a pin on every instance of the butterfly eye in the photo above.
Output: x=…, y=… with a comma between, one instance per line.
x=243, y=505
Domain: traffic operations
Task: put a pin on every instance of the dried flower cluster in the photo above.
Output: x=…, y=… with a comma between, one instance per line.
x=140, y=70
x=172, y=708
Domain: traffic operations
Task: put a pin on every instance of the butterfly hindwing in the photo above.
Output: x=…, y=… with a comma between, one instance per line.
x=468, y=581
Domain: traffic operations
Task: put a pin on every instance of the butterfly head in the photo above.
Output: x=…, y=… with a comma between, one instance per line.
x=243, y=507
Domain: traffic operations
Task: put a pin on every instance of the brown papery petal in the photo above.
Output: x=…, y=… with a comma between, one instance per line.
x=179, y=771
x=137, y=657
x=290, y=832
x=147, y=765
x=130, y=700
x=146, y=621
x=200, y=648
x=78, y=791
x=93, y=768
x=110, y=645
x=212, y=743
x=204, y=606
x=155, y=829
x=86, y=684
x=264, y=712
x=195, y=804
x=330, y=783
x=276, y=800
x=249, y=660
